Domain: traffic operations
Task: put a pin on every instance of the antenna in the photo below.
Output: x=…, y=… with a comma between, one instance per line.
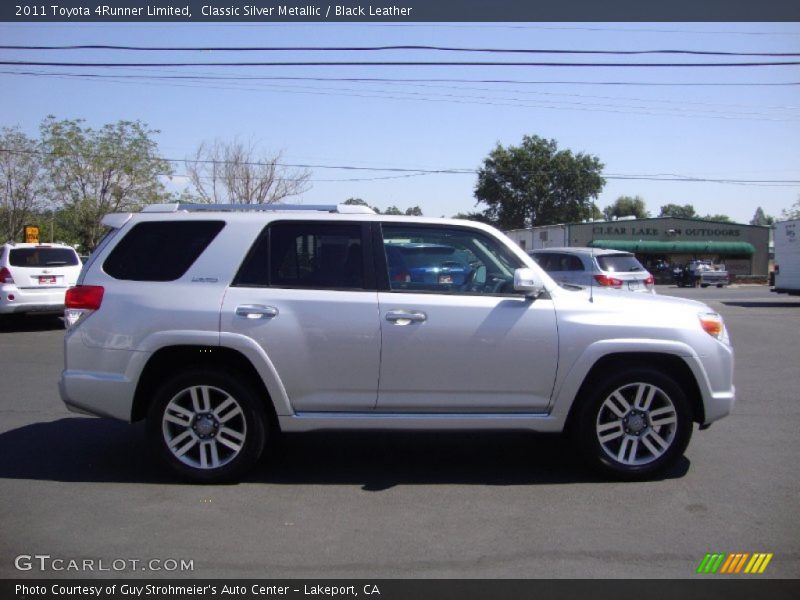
x=591, y=275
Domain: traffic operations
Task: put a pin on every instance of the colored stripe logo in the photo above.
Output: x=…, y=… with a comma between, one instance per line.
x=741, y=562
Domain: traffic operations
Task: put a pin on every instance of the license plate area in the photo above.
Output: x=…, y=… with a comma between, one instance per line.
x=633, y=285
x=47, y=279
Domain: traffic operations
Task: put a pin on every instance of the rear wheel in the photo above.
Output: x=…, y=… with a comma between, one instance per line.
x=207, y=425
x=635, y=423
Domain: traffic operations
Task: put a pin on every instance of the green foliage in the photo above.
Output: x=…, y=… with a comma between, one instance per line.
x=761, y=218
x=626, y=206
x=678, y=211
x=536, y=184
x=480, y=217
x=414, y=211
x=21, y=183
x=720, y=218
x=97, y=171
x=793, y=212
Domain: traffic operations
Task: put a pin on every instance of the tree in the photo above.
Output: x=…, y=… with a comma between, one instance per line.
x=97, y=171
x=793, y=212
x=232, y=173
x=414, y=211
x=480, y=217
x=626, y=206
x=537, y=184
x=355, y=202
x=720, y=218
x=685, y=211
x=22, y=192
x=761, y=218
x=393, y=210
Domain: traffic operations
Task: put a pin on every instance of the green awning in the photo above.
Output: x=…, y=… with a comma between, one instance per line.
x=655, y=247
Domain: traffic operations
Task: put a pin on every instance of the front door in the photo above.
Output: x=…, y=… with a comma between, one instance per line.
x=455, y=336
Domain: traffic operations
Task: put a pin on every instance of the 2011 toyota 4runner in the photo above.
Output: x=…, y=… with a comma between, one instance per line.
x=221, y=326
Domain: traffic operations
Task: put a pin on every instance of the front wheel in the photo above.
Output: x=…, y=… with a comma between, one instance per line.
x=635, y=423
x=208, y=426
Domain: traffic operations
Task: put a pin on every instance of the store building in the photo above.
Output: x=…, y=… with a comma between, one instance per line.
x=662, y=242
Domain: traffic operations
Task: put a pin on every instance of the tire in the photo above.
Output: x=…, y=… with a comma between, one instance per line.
x=208, y=426
x=635, y=424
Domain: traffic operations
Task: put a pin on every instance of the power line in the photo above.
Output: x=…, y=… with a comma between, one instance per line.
x=412, y=47
x=548, y=104
x=667, y=177
x=403, y=64
x=406, y=80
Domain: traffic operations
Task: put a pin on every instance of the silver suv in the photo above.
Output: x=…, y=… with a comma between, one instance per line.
x=222, y=326
x=612, y=269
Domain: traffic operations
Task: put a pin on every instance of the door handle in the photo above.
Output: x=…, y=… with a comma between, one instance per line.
x=404, y=317
x=256, y=311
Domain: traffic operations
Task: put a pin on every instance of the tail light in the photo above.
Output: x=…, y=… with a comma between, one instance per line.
x=776, y=270
x=5, y=276
x=402, y=277
x=607, y=281
x=81, y=301
x=649, y=282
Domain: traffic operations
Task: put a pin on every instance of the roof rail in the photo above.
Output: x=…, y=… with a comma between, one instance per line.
x=189, y=207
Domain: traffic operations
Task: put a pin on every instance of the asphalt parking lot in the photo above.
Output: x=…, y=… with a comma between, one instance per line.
x=456, y=505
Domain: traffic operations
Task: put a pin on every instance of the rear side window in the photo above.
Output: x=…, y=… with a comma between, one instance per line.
x=558, y=262
x=42, y=257
x=160, y=250
x=308, y=255
x=619, y=263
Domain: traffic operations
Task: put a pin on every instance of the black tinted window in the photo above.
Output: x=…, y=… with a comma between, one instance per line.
x=306, y=255
x=43, y=257
x=558, y=262
x=160, y=250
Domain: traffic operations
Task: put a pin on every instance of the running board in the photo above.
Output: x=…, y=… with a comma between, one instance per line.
x=313, y=421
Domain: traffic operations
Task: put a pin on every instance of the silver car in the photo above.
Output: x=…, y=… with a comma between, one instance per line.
x=612, y=269
x=223, y=326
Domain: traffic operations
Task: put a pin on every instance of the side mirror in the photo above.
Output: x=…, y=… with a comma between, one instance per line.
x=527, y=281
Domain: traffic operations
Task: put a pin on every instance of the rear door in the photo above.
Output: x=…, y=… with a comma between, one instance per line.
x=306, y=294
x=468, y=346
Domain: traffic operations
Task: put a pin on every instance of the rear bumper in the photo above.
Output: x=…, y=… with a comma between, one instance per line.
x=101, y=394
x=22, y=300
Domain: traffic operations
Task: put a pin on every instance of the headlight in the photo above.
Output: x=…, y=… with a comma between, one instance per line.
x=714, y=326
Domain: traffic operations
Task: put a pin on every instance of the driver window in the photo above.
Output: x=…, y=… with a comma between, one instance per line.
x=447, y=260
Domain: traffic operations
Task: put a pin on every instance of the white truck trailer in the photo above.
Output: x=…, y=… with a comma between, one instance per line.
x=787, y=257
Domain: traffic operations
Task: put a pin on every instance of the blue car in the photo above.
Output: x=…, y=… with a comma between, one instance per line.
x=434, y=264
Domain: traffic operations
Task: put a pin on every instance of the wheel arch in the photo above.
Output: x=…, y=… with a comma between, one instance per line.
x=173, y=359
x=670, y=364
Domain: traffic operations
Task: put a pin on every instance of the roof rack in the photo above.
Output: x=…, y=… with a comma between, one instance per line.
x=189, y=207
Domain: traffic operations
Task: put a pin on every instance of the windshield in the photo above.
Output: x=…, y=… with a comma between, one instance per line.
x=43, y=257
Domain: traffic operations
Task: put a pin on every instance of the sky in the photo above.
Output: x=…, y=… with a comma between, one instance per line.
x=748, y=133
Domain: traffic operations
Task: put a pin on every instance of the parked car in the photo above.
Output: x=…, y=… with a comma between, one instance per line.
x=35, y=277
x=702, y=273
x=595, y=267
x=435, y=264
x=222, y=326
